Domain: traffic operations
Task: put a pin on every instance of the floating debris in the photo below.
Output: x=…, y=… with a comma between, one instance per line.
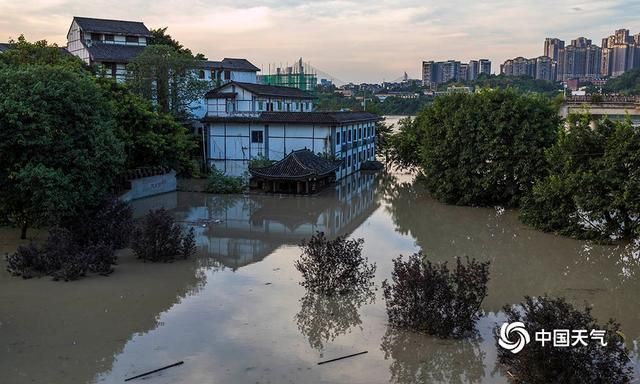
x=343, y=357
x=155, y=370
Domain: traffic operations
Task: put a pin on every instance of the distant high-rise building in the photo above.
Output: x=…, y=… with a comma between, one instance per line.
x=544, y=68
x=485, y=66
x=620, y=53
x=579, y=60
x=474, y=70
x=552, y=46
x=438, y=72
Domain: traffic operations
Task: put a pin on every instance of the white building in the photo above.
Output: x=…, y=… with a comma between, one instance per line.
x=111, y=44
x=245, y=121
x=223, y=72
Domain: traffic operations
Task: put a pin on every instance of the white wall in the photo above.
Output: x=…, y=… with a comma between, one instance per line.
x=231, y=148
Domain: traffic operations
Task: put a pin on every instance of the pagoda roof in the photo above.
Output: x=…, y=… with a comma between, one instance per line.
x=297, y=165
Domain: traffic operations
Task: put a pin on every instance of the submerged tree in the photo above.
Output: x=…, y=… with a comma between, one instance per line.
x=593, y=186
x=55, y=135
x=334, y=266
x=159, y=238
x=586, y=361
x=480, y=149
x=430, y=298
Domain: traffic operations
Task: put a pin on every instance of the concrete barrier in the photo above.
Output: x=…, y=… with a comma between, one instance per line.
x=151, y=186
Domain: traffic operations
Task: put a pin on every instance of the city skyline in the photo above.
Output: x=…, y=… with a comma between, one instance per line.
x=353, y=41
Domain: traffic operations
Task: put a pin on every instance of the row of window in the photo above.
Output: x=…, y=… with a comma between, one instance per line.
x=357, y=158
x=348, y=136
x=268, y=106
x=110, y=37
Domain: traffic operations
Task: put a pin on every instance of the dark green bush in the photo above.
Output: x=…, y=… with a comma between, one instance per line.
x=334, y=266
x=61, y=257
x=588, y=364
x=218, y=182
x=430, y=298
x=159, y=238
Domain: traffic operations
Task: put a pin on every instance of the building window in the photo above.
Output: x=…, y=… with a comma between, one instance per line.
x=349, y=161
x=132, y=39
x=337, y=138
x=95, y=37
x=227, y=75
x=201, y=74
x=360, y=133
x=279, y=105
x=349, y=136
x=108, y=37
x=257, y=137
x=260, y=105
x=288, y=107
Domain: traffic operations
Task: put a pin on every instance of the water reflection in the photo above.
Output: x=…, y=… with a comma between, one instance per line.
x=240, y=230
x=323, y=318
x=419, y=358
x=523, y=261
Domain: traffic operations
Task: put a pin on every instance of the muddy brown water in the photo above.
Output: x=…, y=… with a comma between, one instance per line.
x=236, y=314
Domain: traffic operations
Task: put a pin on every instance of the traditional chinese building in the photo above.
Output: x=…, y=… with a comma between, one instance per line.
x=300, y=172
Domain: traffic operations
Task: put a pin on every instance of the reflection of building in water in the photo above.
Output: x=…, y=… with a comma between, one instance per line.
x=240, y=230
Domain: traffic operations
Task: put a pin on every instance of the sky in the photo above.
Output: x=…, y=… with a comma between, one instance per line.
x=353, y=41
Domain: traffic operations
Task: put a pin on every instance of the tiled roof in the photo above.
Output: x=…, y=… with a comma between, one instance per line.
x=114, y=53
x=301, y=164
x=266, y=90
x=240, y=65
x=123, y=27
x=299, y=117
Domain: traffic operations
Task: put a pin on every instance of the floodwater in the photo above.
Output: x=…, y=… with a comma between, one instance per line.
x=235, y=313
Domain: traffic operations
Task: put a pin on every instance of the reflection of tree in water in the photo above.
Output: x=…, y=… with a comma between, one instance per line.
x=424, y=359
x=323, y=318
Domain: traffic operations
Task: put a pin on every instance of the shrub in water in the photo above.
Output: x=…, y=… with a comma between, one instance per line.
x=218, y=182
x=160, y=238
x=590, y=363
x=334, y=266
x=110, y=222
x=430, y=298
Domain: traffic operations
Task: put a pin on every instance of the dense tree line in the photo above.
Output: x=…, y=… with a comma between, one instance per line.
x=66, y=135
x=626, y=84
x=498, y=147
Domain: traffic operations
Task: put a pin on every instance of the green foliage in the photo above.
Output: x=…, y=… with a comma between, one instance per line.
x=160, y=238
x=159, y=36
x=430, y=298
x=150, y=138
x=22, y=52
x=260, y=161
x=591, y=363
x=55, y=135
x=627, y=84
x=593, y=186
x=168, y=78
x=479, y=149
x=520, y=84
x=384, y=135
x=218, y=182
x=404, y=146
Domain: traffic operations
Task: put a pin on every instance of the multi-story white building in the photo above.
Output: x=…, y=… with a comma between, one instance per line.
x=245, y=121
x=111, y=44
